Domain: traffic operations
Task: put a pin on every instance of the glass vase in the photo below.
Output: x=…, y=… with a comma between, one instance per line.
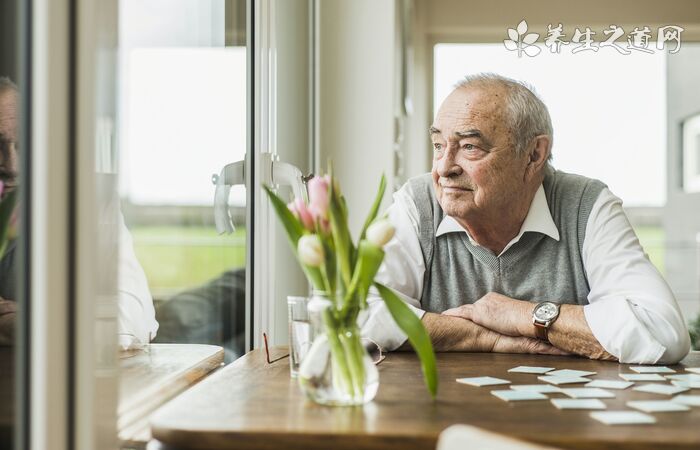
x=337, y=370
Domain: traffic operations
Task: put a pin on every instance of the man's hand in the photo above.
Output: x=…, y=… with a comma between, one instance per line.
x=509, y=344
x=499, y=313
x=509, y=317
x=450, y=334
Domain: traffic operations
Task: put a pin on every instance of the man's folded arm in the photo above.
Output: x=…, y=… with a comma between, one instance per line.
x=632, y=311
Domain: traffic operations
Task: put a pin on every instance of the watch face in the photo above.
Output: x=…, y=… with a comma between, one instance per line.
x=546, y=311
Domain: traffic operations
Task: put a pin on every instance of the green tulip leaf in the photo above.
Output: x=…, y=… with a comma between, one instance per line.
x=375, y=207
x=295, y=230
x=369, y=259
x=341, y=234
x=417, y=335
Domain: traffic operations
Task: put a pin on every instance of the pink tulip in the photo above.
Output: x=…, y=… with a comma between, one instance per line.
x=318, y=197
x=301, y=212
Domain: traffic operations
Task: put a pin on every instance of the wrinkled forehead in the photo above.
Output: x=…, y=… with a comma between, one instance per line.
x=8, y=114
x=481, y=107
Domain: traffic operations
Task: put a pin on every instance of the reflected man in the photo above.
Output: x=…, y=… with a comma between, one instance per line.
x=136, y=319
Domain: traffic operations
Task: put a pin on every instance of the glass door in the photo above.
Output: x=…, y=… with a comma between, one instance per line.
x=182, y=135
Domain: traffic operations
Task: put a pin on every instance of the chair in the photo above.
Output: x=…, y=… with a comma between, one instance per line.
x=462, y=437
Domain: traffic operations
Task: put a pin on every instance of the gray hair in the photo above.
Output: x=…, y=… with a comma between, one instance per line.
x=7, y=85
x=528, y=115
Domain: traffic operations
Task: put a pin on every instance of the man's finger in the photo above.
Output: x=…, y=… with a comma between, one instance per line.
x=464, y=311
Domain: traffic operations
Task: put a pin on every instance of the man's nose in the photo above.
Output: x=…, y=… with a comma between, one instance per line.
x=447, y=165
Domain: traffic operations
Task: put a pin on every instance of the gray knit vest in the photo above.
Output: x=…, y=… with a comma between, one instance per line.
x=537, y=268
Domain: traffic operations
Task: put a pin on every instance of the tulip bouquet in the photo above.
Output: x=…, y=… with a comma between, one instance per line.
x=320, y=238
x=8, y=216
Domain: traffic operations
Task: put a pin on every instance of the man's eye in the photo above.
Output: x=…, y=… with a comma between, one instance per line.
x=469, y=147
x=437, y=146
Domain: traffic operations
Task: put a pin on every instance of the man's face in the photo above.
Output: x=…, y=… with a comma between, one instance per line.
x=476, y=173
x=8, y=135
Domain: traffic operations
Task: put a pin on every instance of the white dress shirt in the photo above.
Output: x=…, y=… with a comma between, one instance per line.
x=136, y=322
x=631, y=312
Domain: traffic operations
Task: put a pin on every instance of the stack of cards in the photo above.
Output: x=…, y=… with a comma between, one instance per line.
x=622, y=417
x=690, y=400
x=652, y=369
x=642, y=377
x=482, y=381
x=513, y=396
x=575, y=403
x=610, y=384
x=657, y=388
x=588, y=393
x=530, y=369
x=658, y=406
x=563, y=380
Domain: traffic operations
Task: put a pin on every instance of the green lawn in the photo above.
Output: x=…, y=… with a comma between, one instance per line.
x=653, y=240
x=178, y=257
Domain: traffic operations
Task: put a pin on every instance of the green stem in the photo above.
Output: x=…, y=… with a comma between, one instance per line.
x=349, y=341
x=338, y=355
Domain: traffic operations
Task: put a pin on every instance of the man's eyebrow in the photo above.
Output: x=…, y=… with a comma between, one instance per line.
x=469, y=133
x=434, y=130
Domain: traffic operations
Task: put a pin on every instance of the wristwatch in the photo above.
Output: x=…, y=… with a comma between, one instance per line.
x=543, y=316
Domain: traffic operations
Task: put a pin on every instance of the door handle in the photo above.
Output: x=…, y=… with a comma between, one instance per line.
x=274, y=173
x=231, y=175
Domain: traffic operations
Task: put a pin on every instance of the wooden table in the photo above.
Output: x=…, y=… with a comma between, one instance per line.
x=149, y=378
x=252, y=405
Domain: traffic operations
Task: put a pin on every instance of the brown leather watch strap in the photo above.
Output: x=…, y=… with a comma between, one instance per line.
x=541, y=331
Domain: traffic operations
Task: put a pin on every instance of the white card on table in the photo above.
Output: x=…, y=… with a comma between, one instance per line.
x=563, y=380
x=588, y=393
x=609, y=384
x=530, y=369
x=684, y=377
x=543, y=388
x=513, y=396
x=569, y=373
x=482, y=381
x=642, y=377
x=693, y=369
x=622, y=417
x=686, y=384
x=690, y=400
x=575, y=403
x=658, y=388
x=652, y=369
x=658, y=406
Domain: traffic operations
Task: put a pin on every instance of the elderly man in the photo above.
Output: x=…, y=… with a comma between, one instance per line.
x=497, y=251
x=136, y=321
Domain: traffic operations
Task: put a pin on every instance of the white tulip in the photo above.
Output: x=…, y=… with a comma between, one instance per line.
x=380, y=232
x=310, y=250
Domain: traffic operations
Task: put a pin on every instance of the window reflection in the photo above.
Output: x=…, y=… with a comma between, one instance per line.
x=9, y=98
x=182, y=115
x=9, y=175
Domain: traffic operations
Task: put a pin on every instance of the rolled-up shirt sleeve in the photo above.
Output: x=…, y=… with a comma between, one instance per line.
x=632, y=311
x=402, y=270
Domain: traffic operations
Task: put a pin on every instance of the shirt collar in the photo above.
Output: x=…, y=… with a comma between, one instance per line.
x=538, y=219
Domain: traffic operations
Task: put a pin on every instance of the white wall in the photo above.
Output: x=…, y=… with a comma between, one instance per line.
x=355, y=120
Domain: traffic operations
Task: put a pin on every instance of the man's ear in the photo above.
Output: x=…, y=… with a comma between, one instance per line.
x=538, y=155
